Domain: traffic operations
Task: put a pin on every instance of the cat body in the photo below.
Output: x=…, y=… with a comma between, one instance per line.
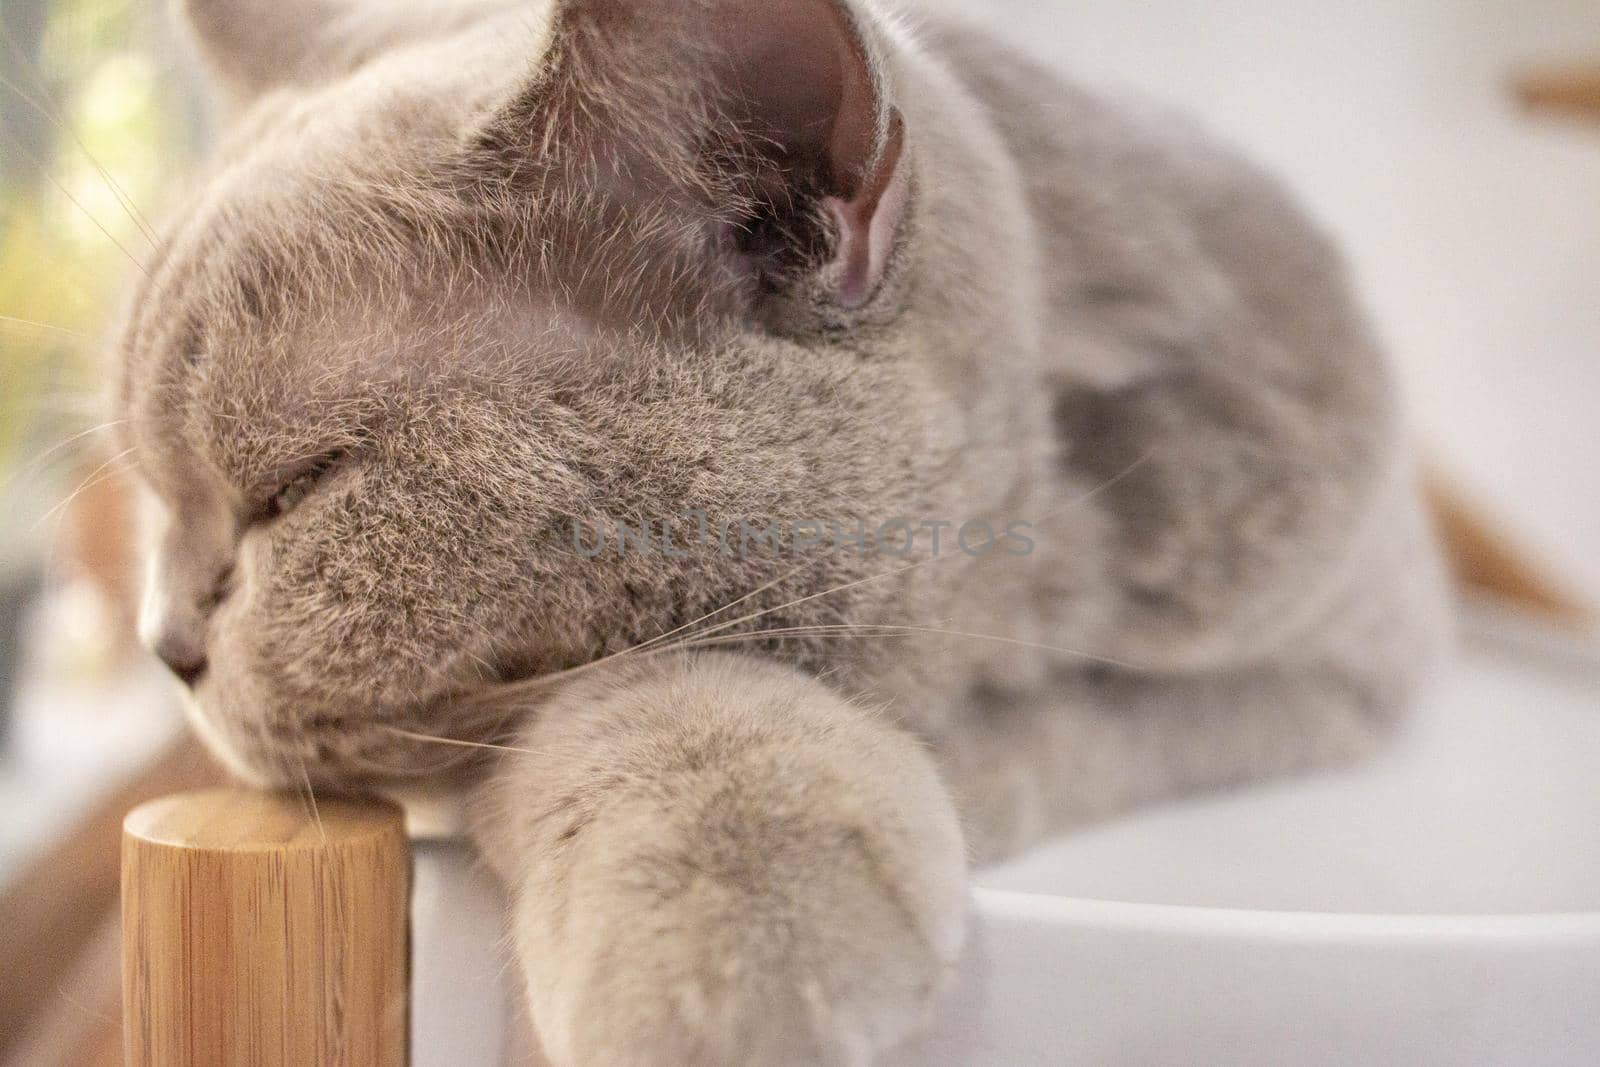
x=1036, y=461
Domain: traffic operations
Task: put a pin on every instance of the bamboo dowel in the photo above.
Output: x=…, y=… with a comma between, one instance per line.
x=256, y=931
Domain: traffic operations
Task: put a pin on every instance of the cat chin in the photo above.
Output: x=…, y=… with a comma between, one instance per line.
x=267, y=751
x=222, y=747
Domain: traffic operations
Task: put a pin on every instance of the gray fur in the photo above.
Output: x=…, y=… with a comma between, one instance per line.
x=483, y=256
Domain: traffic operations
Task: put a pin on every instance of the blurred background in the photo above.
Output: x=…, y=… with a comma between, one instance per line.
x=1453, y=146
x=1472, y=223
x=96, y=123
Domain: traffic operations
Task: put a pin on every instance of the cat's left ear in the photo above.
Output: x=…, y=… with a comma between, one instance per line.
x=806, y=85
x=788, y=104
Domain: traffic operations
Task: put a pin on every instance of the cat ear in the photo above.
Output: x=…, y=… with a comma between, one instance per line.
x=805, y=89
x=256, y=45
x=799, y=114
x=252, y=46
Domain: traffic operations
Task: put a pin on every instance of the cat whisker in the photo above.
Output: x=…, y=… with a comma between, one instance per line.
x=40, y=461
x=496, y=694
x=435, y=739
x=109, y=469
x=755, y=616
x=546, y=680
x=51, y=113
x=504, y=697
x=48, y=327
x=1054, y=514
x=713, y=614
x=311, y=795
x=93, y=219
x=897, y=630
x=409, y=768
x=1104, y=487
x=531, y=687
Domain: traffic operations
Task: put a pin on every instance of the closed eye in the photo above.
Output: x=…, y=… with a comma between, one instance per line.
x=294, y=489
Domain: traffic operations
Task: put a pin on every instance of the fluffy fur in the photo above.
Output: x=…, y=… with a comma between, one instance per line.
x=463, y=277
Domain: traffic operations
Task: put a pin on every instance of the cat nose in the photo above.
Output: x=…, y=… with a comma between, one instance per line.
x=173, y=621
x=182, y=657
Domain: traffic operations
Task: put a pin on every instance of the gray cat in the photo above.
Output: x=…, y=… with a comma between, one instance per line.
x=793, y=452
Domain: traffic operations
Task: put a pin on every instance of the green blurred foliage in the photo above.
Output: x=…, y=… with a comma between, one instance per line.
x=97, y=86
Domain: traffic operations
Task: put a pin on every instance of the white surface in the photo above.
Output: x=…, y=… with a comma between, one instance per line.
x=1439, y=905
x=80, y=727
x=1056, y=982
x=1488, y=802
x=461, y=1007
x=1474, y=231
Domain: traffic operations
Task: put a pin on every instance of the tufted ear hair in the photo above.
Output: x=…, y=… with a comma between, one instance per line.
x=804, y=86
x=252, y=46
x=788, y=102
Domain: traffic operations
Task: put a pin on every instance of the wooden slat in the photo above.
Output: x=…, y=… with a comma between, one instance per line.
x=1572, y=90
x=1486, y=561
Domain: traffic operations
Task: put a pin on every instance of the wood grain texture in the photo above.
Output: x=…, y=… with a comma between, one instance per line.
x=259, y=932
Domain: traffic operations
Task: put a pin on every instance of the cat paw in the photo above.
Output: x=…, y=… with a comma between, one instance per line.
x=727, y=864
x=831, y=961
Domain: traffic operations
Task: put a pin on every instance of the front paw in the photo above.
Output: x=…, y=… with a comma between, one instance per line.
x=722, y=862
x=712, y=957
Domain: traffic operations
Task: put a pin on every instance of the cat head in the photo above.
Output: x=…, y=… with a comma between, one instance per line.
x=466, y=285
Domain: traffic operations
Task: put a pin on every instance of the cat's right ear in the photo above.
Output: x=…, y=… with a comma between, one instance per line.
x=251, y=47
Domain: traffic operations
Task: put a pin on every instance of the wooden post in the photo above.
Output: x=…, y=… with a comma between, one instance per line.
x=256, y=931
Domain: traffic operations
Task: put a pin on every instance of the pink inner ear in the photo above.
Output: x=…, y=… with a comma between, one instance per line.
x=869, y=222
x=804, y=111
x=800, y=77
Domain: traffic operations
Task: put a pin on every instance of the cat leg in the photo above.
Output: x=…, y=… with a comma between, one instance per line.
x=1096, y=740
x=1024, y=767
x=717, y=860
